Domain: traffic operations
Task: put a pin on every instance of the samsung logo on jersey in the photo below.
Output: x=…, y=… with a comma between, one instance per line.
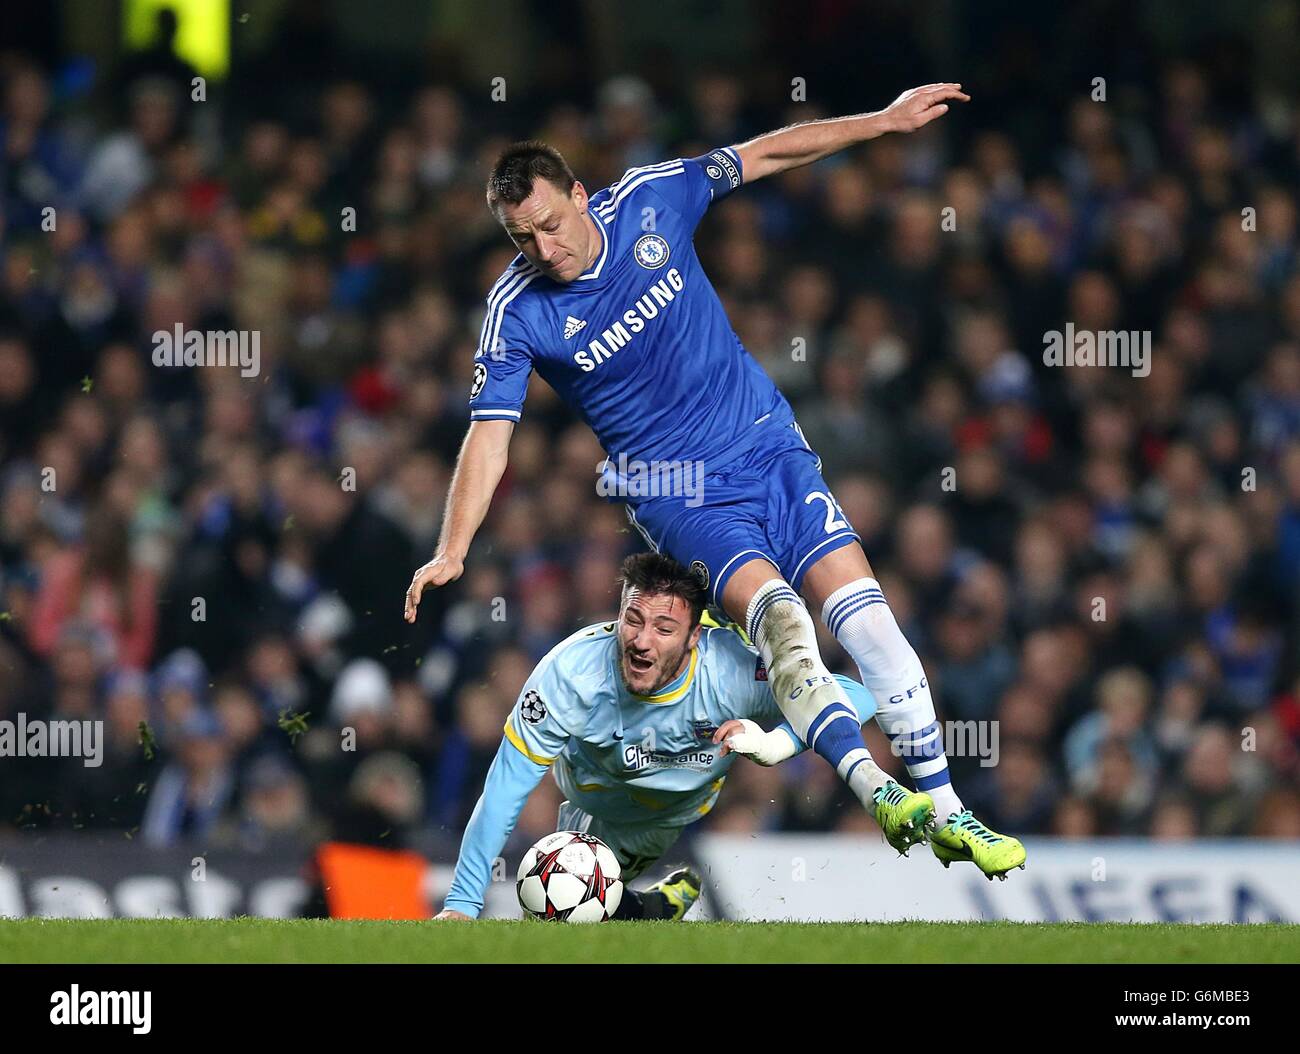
x=633, y=321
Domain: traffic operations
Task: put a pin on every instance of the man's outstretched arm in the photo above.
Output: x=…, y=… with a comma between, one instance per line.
x=479, y=467
x=510, y=781
x=802, y=144
x=534, y=738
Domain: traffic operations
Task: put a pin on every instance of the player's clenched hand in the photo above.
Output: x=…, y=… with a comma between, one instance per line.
x=917, y=107
x=725, y=732
x=449, y=915
x=437, y=572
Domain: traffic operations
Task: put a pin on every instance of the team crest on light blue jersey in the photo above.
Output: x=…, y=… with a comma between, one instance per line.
x=651, y=251
x=704, y=729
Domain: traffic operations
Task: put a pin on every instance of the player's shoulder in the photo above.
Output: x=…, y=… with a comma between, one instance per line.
x=588, y=639
x=578, y=668
x=640, y=179
x=518, y=276
x=726, y=651
x=512, y=300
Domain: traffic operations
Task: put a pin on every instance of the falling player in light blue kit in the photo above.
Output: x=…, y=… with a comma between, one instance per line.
x=608, y=302
x=632, y=719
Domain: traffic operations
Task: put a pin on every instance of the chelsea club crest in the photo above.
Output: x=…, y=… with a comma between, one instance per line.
x=650, y=251
x=701, y=572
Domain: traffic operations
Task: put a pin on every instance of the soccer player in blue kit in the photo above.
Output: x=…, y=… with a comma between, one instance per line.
x=609, y=303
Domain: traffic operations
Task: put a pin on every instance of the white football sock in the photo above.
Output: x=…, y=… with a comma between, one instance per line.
x=859, y=617
x=812, y=700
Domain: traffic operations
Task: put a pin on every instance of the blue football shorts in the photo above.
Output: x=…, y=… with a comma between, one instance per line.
x=771, y=503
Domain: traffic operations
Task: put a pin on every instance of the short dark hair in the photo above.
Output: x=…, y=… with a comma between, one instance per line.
x=659, y=574
x=520, y=166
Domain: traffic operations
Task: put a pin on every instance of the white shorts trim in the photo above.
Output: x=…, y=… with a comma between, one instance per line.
x=821, y=545
x=723, y=573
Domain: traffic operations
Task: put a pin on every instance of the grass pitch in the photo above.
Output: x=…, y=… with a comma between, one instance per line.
x=305, y=941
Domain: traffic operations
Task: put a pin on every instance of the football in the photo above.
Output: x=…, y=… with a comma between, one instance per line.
x=570, y=877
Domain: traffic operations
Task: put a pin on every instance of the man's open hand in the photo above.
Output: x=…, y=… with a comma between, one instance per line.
x=917, y=107
x=437, y=572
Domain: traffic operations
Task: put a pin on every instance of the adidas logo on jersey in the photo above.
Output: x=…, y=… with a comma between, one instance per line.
x=572, y=325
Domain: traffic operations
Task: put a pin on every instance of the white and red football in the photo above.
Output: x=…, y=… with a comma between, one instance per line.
x=570, y=877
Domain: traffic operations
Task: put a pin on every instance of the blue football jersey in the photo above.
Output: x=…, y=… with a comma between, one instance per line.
x=639, y=345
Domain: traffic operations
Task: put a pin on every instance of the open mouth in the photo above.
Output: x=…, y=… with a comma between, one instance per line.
x=640, y=664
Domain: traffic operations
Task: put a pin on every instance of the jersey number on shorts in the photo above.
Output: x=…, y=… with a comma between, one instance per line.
x=833, y=522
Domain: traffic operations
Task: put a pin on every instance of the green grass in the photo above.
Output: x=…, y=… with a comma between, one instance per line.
x=302, y=941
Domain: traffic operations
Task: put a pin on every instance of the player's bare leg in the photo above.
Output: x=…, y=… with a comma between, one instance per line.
x=812, y=700
x=853, y=606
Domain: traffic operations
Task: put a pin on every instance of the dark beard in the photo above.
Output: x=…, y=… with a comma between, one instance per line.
x=622, y=670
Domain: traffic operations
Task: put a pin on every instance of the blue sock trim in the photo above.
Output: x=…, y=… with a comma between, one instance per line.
x=830, y=712
x=838, y=737
x=935, y=779
x=857, y=594
x=850, y=612
x=783, y=593
x=917, y=733
x=908, y=745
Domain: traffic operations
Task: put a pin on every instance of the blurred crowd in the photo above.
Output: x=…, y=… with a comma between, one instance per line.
x=1106, y=565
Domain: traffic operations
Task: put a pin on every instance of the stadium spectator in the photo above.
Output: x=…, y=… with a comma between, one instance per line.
x=1103, y=561
x=193, y=793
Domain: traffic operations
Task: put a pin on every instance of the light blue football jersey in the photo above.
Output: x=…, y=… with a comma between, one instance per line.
x=645, y=762
x=636, y=758
x=640, y=345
